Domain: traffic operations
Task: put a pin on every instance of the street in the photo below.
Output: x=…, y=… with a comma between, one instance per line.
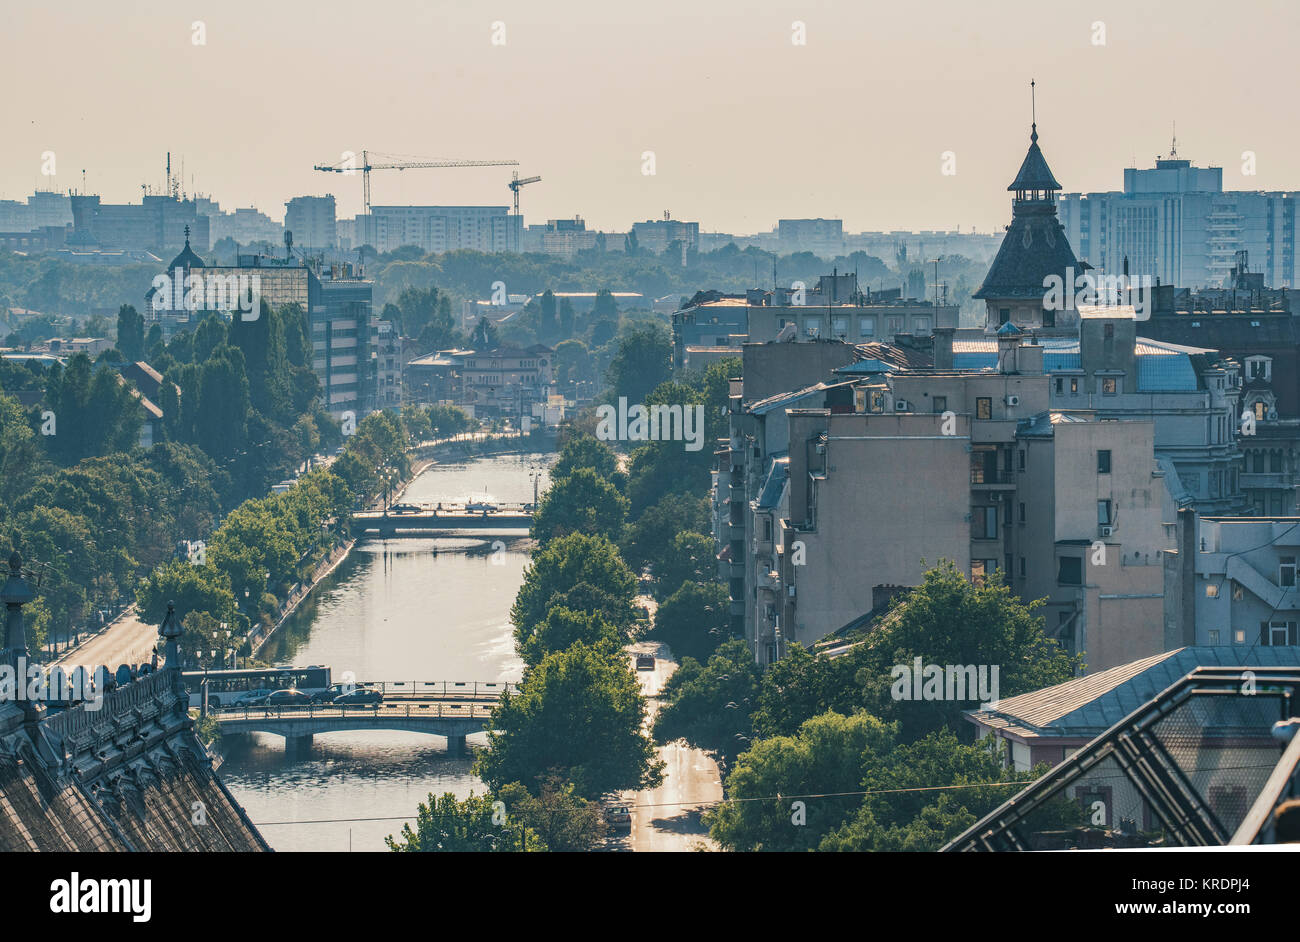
x=126, y=641
x=667, y=818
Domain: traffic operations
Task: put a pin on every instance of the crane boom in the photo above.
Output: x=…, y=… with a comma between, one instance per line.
x=390, y=162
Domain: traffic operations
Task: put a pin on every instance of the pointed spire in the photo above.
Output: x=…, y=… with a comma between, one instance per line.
x=1033, y=113
x=170, y=631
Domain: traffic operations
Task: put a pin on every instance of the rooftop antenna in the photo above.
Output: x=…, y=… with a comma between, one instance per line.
x=1173, y=147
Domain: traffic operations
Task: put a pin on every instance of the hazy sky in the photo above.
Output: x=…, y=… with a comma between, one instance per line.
x=746, y=126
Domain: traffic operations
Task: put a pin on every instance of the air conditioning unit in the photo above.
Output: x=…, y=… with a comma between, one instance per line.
x=1013, y=400
x=1105, y=530
x=996, y=497
x=900, y=405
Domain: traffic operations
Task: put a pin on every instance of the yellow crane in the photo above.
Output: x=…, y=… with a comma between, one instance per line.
x=395, y=162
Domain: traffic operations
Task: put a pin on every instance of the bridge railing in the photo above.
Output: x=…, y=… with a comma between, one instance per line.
x=441, y=689
x=431, y=710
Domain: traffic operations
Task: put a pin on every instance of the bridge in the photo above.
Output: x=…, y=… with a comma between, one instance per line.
x=441, y=517
x=451, y=710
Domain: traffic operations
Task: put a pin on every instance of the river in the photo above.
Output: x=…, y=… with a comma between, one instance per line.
x=408, y=609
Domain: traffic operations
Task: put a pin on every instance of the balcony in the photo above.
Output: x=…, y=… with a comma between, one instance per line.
x=999, y=478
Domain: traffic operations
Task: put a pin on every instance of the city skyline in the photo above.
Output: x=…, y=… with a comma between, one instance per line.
x=812, y=129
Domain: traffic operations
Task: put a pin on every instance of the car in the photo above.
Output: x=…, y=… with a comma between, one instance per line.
x=645, y=662
x=476, y=507
x=359, y=696
x=288, y=697
x=251, y=698
x=618, y=816
x=405, y=509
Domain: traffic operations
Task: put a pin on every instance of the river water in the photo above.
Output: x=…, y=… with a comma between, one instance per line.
x=407, y=609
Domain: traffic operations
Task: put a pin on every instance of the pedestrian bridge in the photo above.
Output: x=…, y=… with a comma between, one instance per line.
x=455, y=713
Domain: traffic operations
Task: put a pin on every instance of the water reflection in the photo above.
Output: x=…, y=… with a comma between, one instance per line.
x=407, y=609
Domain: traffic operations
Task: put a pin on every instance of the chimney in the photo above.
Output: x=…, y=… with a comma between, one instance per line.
x=942, y=347
x=1029, y=358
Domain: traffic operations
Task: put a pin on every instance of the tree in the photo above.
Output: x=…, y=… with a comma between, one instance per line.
x=577, y=715
x=949, y=621
x=689, y=559
x=193, y=588
x=777, y=779
x=641, y=362
x=563, y=564
x=564, y=627
x=563, y=820
x=484, y=335
x=130, y=332
x=546, y=317
x=94, y=411
x=709, y=705
x=475, y=825
x=693, y=621
x=581, y=502
x=648, y=541
x=585, y=451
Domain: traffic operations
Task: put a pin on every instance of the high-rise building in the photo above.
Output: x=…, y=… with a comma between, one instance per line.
x=311, y=219
x=1177, y=223
x=438, y=229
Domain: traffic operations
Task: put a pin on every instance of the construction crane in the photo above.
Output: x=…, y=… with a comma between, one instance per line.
x=515, y=186
x=394, y=162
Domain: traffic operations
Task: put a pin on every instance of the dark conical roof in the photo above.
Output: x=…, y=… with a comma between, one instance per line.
x=1034, y=173
x=187, y=259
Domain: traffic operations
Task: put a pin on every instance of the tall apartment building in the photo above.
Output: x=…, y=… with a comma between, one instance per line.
x=438, y=229
x=655, y=235
x=1177, y=223
x=311, y=219
x=335, y=302
x=561, y=237
x=157, y=223
x=43, y=208
x=822, y=237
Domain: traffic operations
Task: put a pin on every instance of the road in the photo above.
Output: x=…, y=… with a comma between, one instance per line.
x=127, y=641
x=667, y=818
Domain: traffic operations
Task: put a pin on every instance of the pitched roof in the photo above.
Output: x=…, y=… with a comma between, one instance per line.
x=1090, y=705
x=1034, y=173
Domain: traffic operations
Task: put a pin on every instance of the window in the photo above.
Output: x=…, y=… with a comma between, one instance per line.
x=866, y=327
x=1074, y=385
x=1286, y=572
x=1239, y=636
x=1004, y=315
x=1060, y=384
x=1049, y=317
x=1021, y=464
x=1211, y=591
x=1275, y=461
x=812, y=326
x=940, y=403
x=977, y=571
x=895, y=326
x=1022, y=511
x=1022, y=567
x=1103, y=461
x=1104, y=513
x=1237, y=592
x=1108, y=386
x=840, y=326
x=1261, y=412
x=984, y=524
x=984, y=407
x=1214, y=636
x=1070, y=570
x=921, y=326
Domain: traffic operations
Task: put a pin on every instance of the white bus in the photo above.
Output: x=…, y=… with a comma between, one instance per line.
x=225, y=687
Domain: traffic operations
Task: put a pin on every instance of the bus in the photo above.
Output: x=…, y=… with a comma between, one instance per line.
x=226, y=687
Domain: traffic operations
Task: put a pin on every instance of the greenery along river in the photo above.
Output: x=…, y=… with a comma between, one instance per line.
x=408, y=609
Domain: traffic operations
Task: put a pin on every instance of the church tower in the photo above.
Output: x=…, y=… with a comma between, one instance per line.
x=1034, y=249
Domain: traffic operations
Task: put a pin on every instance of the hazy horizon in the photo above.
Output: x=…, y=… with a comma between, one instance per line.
x=746, y=127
